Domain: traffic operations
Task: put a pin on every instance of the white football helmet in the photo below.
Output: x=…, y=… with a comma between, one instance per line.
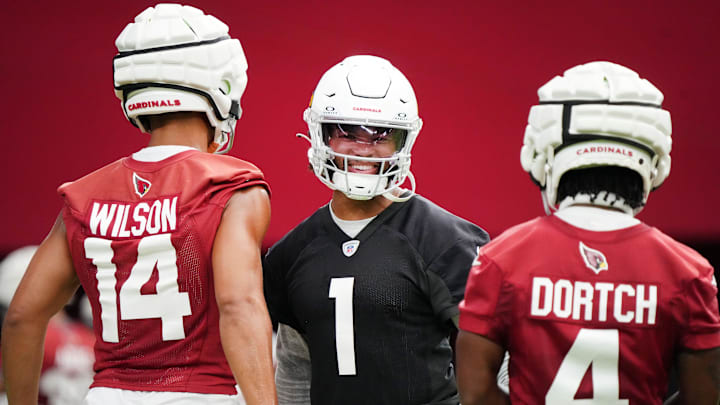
x=12, y=269
x=597, y=114
x=176, y=58
x=370, y=92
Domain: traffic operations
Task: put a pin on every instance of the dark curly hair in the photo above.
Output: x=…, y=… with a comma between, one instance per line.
x=621, y=181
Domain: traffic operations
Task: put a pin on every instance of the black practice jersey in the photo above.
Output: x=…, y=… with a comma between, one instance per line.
x=375, y=309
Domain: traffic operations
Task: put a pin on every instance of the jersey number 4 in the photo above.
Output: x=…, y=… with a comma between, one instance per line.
x=168, y=303
x=596, y=348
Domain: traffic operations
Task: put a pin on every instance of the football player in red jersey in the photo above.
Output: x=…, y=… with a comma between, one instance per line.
x=593, y=306
x=165, y=242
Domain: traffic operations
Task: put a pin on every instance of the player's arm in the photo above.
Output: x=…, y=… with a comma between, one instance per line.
x=294, y=371
x=48, y=284
x=245, y=328
x=698, y=378
x=478, y=362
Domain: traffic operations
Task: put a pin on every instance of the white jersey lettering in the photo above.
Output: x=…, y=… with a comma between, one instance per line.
x=581, y=300
x=147, y=218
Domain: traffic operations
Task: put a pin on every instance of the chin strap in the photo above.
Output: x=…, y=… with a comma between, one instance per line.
x=390, y=195
x=226, y=138
x=305, y=137
x=549, y=209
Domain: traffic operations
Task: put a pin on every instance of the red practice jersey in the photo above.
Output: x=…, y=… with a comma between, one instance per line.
x=141, y=237
x=589, y=314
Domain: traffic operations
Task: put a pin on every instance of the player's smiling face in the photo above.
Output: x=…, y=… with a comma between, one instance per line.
x=364, y=141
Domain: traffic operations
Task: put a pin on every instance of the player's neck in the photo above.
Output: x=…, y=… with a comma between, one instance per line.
x=351, y=210
x=186, y=130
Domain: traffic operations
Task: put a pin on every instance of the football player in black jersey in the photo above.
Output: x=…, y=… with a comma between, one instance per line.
x=366, y=289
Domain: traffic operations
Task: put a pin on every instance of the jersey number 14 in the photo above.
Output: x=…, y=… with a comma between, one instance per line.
x=168, y=303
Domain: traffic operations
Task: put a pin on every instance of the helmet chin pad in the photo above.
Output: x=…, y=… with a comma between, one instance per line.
x=358, y=186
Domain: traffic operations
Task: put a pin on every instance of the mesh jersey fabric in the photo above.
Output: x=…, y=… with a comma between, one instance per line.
x=408, y=273
x=154, y=223
x=539, y=291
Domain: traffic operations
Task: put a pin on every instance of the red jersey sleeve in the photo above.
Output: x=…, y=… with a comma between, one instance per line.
x=703, y=322
x=230, y=176
x=487, y=302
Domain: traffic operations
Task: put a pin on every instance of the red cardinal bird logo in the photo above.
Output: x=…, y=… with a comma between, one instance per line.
x=142, y=186
x=594, y=259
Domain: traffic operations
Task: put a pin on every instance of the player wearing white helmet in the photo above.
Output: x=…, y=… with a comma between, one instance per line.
x=165, y=242
x=363, y=100
x=591, y=286
x=598, y=114
x=366, y=289
x=175, y=58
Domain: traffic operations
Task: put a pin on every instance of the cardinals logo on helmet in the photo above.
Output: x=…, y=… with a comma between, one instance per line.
x=594, y=259
x=142, y=186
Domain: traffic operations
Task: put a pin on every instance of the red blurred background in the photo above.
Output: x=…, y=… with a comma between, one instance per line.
x=475, y=66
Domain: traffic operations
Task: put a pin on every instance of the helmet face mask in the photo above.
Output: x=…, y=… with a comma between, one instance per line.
x=175, y=58
x=366, y=101
x=597, y=114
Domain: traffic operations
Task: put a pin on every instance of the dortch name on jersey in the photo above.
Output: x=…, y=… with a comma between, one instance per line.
x=599, y=301
x=133, y=220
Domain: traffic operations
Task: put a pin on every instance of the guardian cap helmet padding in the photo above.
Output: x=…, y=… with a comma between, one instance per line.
x=597, y=114
x=176, y=58
x=370, y=92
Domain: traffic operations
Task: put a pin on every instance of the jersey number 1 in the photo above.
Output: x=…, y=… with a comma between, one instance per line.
x=168, y=303
x=596, y=348
x=342, y=290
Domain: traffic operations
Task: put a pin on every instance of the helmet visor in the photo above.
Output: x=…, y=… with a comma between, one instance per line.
x=365, y=134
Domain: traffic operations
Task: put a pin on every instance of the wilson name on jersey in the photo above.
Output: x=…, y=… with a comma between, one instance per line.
x=141, y=237
x=142, y=218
